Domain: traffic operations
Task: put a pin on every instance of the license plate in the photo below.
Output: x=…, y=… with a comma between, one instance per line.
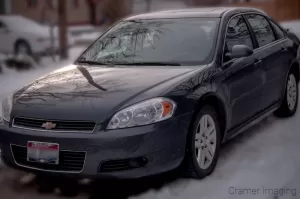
x=43, y=152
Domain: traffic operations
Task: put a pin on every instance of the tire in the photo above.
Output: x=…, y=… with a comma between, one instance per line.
x=289, y=104
x=22, y=47
x=192, y=168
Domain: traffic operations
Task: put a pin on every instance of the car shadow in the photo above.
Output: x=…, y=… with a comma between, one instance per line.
x=121, y=189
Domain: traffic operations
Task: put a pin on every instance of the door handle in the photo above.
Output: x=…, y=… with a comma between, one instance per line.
x=284, y=50
x=258, y=63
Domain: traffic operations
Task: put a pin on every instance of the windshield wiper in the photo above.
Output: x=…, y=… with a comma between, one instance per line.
x=150, y=64
x=91, y=62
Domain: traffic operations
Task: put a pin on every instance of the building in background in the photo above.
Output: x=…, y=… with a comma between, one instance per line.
x=78, y=11
x=81, y=12
x=280, y=10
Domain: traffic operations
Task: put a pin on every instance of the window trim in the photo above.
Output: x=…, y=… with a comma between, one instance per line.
x=283, y=30
x=272, y=43
x=227, y=25
x=252, y=34
x=258, y=47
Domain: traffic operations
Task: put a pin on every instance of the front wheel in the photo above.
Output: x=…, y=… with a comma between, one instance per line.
x=203, y=144
x=290, y=101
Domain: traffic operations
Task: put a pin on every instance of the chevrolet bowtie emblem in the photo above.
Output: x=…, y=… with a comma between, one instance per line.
x=49, y=125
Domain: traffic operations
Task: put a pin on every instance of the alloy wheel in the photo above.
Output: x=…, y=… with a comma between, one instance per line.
x=205, y=141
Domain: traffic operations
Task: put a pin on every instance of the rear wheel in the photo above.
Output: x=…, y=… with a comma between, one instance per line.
x=290, y=101
x=203, y=144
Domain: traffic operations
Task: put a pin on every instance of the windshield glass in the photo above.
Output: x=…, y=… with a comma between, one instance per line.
x=188, y=41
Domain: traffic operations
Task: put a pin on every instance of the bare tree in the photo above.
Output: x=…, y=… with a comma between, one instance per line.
x=115, y=10
x=148, y=5
x=62, y=12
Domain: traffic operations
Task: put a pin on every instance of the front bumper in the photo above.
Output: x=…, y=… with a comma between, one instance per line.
x=161, y=144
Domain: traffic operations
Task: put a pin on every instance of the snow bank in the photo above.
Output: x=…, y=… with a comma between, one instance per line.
x=87, y=38
x=294, y=26
x=83, y=28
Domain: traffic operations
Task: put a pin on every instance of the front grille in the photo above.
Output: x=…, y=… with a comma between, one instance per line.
x=122, y=164
x=69, y=161
x=59, y=125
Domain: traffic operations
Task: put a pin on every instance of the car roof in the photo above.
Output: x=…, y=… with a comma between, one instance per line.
x=209, y=12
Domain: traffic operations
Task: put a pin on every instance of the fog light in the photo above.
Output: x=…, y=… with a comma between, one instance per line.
x=138, y=162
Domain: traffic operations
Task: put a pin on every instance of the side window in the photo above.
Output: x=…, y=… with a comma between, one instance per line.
x=237, y=34
x=278, y=30
x=261, y=29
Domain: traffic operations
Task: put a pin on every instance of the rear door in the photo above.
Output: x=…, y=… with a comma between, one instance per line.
x=244, y=78
x=272, y=51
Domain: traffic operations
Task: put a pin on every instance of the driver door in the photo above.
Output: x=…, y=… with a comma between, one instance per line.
x=244, y=77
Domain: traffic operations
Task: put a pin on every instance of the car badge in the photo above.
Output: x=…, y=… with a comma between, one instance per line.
x=49, y=125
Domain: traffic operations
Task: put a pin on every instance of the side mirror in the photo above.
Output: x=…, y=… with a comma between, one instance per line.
x=239, y=51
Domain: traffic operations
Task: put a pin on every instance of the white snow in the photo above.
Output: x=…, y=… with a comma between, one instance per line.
x=81, y=28
x=264, y=157
x=294, y=26
x=87, y=37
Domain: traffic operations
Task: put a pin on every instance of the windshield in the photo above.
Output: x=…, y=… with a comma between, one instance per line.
x=186, y=41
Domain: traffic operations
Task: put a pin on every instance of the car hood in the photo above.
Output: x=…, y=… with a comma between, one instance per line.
x=89, y=93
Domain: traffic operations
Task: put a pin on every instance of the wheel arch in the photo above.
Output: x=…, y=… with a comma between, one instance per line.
x=295, y=68
x=20, y=40
x=217, y=103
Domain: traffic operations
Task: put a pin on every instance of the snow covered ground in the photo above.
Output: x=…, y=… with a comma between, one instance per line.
x=265, y=158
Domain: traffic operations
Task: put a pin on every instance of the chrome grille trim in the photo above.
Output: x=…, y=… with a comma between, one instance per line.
x=14, y=125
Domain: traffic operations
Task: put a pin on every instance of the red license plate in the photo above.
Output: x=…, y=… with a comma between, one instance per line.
x=43, y=152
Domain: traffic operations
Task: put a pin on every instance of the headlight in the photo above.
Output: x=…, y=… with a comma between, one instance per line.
x=146, y=112
x=6, y=108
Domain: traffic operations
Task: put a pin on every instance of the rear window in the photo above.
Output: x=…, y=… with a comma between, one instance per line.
x=189, y=41
x=262, y=29
x=280, y=34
